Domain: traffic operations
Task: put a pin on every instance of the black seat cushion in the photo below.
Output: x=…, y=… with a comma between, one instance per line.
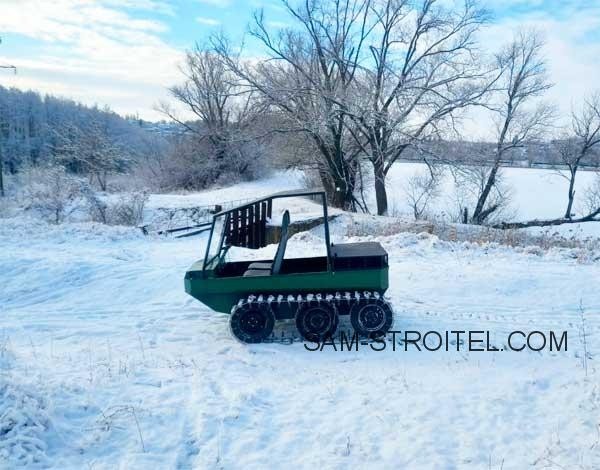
x=278, y=260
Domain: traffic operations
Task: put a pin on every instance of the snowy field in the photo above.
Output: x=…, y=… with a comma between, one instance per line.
x=535, y=193
x=106, y=363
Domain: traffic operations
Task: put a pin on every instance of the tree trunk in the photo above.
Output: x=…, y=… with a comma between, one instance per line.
x=479, y=215
x=380, y=191
x=571, y=194
x=591, y=217
x=102, y=177
x=337, y=191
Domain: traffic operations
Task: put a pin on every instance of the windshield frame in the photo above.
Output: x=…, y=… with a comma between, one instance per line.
x=209, y=264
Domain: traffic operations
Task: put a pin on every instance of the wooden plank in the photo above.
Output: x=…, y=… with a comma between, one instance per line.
x=251, y=227
x=243, y=228
x=263, y=225
x=235, y=232
x=256, y=226
x=228, y=229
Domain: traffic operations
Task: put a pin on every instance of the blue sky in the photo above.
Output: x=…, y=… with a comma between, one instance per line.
x=124, y=53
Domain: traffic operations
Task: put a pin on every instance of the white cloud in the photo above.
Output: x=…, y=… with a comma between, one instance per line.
x=93, y=51
x=572, y=59
x=162, y=7
x=572, y=50
x=113, y=51
x=207, y=21
x=216, y=3
x=278, y=24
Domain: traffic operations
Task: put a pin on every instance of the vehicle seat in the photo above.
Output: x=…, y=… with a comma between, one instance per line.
x=266, y=266
x=257, y=272
x=265, y=269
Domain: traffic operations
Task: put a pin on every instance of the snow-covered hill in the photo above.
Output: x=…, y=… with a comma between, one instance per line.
x=105, y=362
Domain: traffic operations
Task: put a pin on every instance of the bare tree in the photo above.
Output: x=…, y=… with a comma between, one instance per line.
x=574, y=149
x=422, y=188
x=308, y=79
x=579, y=144
x=469, y=183
x=523, y=78
x=422, y=69
x=209, y=94
x=592, y=196
x=222, y=134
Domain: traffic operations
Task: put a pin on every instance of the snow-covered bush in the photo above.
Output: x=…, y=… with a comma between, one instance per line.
x=51, y=192
x=23, y=423
x=7, y=206
x=54, y=194
x=97, y=207
x=310, y=179
x=129, y=209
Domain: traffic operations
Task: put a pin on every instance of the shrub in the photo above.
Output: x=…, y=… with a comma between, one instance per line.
x=129, y=209
x=51, y=192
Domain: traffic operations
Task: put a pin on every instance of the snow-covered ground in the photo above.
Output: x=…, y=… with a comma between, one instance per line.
x=280, y=181
x=535, y=194
x=106, y=363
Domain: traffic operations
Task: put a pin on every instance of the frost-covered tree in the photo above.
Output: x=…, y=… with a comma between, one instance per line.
x=308, y=78
x=519, y=118
x=221, y=142
x=89, y=149
x=579, y=143
x=34, y=130
x=422, y=68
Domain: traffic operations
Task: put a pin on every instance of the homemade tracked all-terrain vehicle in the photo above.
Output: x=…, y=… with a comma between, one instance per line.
x=350, y=279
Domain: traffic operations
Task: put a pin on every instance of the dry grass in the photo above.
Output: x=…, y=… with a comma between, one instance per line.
x=587, y=248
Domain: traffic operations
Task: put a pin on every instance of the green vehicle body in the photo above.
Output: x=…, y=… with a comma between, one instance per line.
x=220, y=285
x=221, y=294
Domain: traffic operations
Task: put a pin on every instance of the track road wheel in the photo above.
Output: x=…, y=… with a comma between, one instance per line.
x=317, y=321
x=371, y=317
x=252, y=322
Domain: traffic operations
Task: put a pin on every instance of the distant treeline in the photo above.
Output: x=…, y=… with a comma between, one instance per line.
x=97, y=143
x=36, y=130
x=531, y=154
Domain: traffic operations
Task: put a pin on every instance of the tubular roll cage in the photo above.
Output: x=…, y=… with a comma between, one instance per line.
x=246, y=225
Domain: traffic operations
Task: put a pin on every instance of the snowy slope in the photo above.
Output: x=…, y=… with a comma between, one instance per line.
x=106, y=363
x=280, y=181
